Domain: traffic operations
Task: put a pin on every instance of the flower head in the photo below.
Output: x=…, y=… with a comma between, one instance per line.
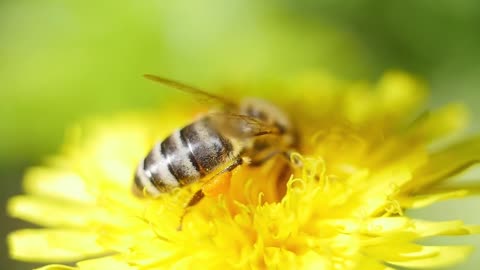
x=364, y=164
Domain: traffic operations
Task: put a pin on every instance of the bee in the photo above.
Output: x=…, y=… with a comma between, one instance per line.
x=249, y=132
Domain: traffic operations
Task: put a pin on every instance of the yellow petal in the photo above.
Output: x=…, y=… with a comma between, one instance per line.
x=431, y=228
x=419, y=201
x=50, y=245
x=400, y=93
x=370, y=264
x=446, y=163
x=433, y=257
x=39, y=211
x=382, y=226
x=104, y=263
x=55, y=267
x=359, y=104
x=57, y=183
x=438, y=123
x=395, y=251
x=377, y=189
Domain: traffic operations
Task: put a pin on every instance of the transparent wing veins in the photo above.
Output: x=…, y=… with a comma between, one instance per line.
x=241, y=126
x=237, y=125
x=200, y=94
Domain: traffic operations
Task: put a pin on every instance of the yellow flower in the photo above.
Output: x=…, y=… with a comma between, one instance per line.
x=364, y=166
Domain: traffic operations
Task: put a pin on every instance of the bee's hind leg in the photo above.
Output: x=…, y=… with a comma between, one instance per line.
x=219, y=183
x=196, y=198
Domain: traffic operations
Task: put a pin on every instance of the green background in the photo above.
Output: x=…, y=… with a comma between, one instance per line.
x=63, y=61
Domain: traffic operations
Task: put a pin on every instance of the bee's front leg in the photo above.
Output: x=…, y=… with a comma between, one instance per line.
x=261, y=159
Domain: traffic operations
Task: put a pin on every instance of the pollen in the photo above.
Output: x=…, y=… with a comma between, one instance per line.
x=365, y=159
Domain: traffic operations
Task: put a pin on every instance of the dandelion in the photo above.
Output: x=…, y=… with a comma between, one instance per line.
x=364, y=167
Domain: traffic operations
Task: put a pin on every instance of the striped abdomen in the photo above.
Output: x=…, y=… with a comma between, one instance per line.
x=184, y=157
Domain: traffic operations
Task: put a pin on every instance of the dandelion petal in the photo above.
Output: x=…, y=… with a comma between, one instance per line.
x=56, y=267
x=436, y=256
x=38, y=211
x=50, y=245
x=103, y=263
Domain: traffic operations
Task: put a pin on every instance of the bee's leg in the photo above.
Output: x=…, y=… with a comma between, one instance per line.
x=196, y=198
x=216, y=185
x=269, y=155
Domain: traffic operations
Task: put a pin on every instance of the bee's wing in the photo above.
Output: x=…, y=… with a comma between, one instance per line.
x=241, y=126
x=201, y=95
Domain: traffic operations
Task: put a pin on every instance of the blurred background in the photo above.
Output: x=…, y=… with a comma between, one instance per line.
x=63, y=61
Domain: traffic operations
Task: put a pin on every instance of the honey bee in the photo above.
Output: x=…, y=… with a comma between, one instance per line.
x=249, y=132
